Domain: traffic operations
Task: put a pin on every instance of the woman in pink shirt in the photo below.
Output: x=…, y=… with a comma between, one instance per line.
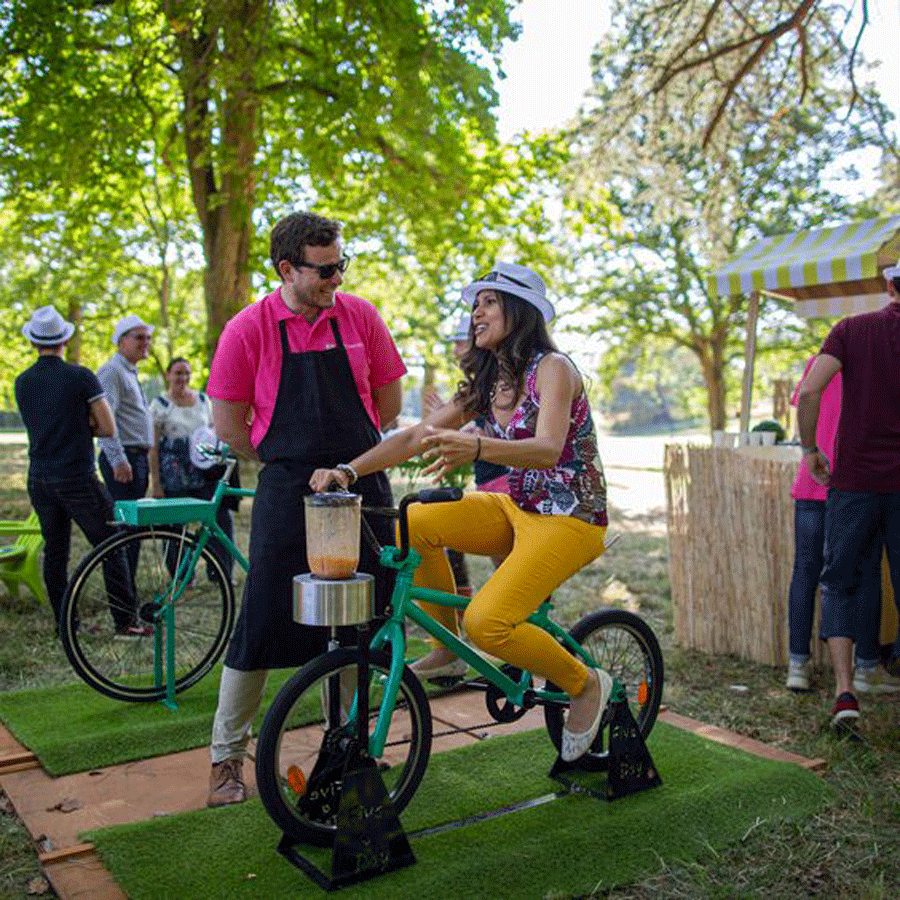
x=809, y=541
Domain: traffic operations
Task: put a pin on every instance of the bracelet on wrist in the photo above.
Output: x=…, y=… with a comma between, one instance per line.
x=809, y=450
x=349, y=471
x=477, y=448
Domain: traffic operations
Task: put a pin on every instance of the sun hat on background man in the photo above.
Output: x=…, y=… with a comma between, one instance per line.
x=129, y=323
x=463, y=328
x=47, y=328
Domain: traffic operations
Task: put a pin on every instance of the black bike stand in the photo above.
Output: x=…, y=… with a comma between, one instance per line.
x=369, y=839
x=628, y=765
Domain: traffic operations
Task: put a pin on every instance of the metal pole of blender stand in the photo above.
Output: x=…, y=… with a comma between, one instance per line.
x=362, y=689
x=333, y=642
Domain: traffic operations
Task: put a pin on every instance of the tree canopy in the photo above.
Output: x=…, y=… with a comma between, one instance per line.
x=168, y=135
x=716, y=63
x=689, y=188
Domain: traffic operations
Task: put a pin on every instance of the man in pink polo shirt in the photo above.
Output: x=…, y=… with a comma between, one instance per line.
x=301, y=378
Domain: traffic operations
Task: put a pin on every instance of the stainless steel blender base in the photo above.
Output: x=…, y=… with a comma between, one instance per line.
x=345, y=601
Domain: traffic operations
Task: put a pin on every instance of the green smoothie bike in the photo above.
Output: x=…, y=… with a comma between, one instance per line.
x=312, y=725
x=183, y=597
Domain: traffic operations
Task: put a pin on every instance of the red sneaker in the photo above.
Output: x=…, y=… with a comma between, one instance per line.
x=845, y=714
x=133, y=631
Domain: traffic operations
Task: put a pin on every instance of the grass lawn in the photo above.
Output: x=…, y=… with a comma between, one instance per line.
x=848, y=850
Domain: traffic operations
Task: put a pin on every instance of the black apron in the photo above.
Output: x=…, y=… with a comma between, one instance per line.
x=318, y=421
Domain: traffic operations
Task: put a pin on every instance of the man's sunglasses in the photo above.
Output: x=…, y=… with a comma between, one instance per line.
x=328, y=270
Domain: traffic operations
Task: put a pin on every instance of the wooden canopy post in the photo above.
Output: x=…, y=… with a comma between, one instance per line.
x=749, y=361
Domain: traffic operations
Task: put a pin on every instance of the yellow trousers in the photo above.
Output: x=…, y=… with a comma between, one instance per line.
x=540, y=551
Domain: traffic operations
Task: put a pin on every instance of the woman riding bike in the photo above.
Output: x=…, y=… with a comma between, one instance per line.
x=552, y=523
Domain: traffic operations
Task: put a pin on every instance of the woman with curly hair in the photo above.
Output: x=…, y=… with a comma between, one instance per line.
x=553, y=520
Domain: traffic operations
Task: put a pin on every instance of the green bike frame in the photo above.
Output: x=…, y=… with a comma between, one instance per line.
x=150, y=511
x=391, y=634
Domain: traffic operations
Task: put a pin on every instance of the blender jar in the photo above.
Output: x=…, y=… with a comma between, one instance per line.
x=332, y=534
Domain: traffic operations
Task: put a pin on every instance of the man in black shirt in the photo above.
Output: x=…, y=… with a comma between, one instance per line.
x=63, y=407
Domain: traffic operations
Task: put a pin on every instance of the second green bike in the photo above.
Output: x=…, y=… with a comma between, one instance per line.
x=181, y=598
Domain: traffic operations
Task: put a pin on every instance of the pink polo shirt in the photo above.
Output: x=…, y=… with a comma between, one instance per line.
x=805, y=486
x=246, y=367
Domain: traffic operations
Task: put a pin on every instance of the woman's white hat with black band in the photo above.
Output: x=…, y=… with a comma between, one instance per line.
x=513, y=279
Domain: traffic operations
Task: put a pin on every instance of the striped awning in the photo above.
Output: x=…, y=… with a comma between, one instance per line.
x=827, y=271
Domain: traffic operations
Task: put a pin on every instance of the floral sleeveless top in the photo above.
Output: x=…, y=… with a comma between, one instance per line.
x=575, y=486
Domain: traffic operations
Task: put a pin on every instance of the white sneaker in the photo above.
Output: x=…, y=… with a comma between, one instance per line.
x=798, y=676
x=576, y=744
x=876, y=680
x=456, y=668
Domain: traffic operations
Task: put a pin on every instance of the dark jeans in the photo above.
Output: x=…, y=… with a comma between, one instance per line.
x=856, y=524
x=809, y=557
x=132, y=490
x=59, y=502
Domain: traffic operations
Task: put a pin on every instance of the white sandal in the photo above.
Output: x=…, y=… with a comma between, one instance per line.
x=575, y=745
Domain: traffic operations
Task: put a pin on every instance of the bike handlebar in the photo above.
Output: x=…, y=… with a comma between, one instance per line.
x=426, y=495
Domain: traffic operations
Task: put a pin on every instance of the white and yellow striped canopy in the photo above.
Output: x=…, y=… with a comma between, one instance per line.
x=827, y=271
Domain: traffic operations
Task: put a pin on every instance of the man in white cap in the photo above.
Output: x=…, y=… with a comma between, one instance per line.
x=123, y=458
x=863, y=502
x=63, y=407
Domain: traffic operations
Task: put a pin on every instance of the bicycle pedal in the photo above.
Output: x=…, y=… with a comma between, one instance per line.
x=446, y=681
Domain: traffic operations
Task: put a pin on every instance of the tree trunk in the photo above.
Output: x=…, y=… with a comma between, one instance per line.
x=711, y=362
x=227, y=280
x=221, y=158
x=73, y=348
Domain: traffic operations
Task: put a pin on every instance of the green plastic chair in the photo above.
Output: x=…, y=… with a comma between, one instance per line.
x=20, y=561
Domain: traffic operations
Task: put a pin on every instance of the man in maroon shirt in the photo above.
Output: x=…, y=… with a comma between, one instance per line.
x=864, y=484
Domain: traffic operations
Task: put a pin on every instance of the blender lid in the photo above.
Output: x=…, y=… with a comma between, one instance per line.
x=333, y=498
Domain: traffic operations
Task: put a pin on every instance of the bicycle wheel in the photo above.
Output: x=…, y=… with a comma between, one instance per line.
x=95, y=608
x=625, y=646
x=300, y=758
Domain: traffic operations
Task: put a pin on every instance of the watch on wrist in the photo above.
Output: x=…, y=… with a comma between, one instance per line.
x=349, y=471
x=808, y=450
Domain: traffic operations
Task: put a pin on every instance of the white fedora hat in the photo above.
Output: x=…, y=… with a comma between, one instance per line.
x=514, y=279
x=48, y=328
x=125, y=325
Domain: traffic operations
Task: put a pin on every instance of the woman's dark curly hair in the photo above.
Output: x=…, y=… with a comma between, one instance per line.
x=483, y=369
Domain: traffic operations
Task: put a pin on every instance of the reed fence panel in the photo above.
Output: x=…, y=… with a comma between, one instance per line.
x=731, y=551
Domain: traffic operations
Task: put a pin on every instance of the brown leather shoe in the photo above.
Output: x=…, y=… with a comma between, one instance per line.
x=226, y=783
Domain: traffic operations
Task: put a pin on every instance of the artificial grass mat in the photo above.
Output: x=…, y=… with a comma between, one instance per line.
x=73, y=728
x=710, y=796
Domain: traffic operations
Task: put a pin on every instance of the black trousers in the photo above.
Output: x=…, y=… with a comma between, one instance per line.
x=82, y=499
x=132, y=490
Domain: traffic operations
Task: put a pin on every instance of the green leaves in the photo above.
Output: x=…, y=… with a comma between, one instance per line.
x=155, y=142
x=698, y=155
